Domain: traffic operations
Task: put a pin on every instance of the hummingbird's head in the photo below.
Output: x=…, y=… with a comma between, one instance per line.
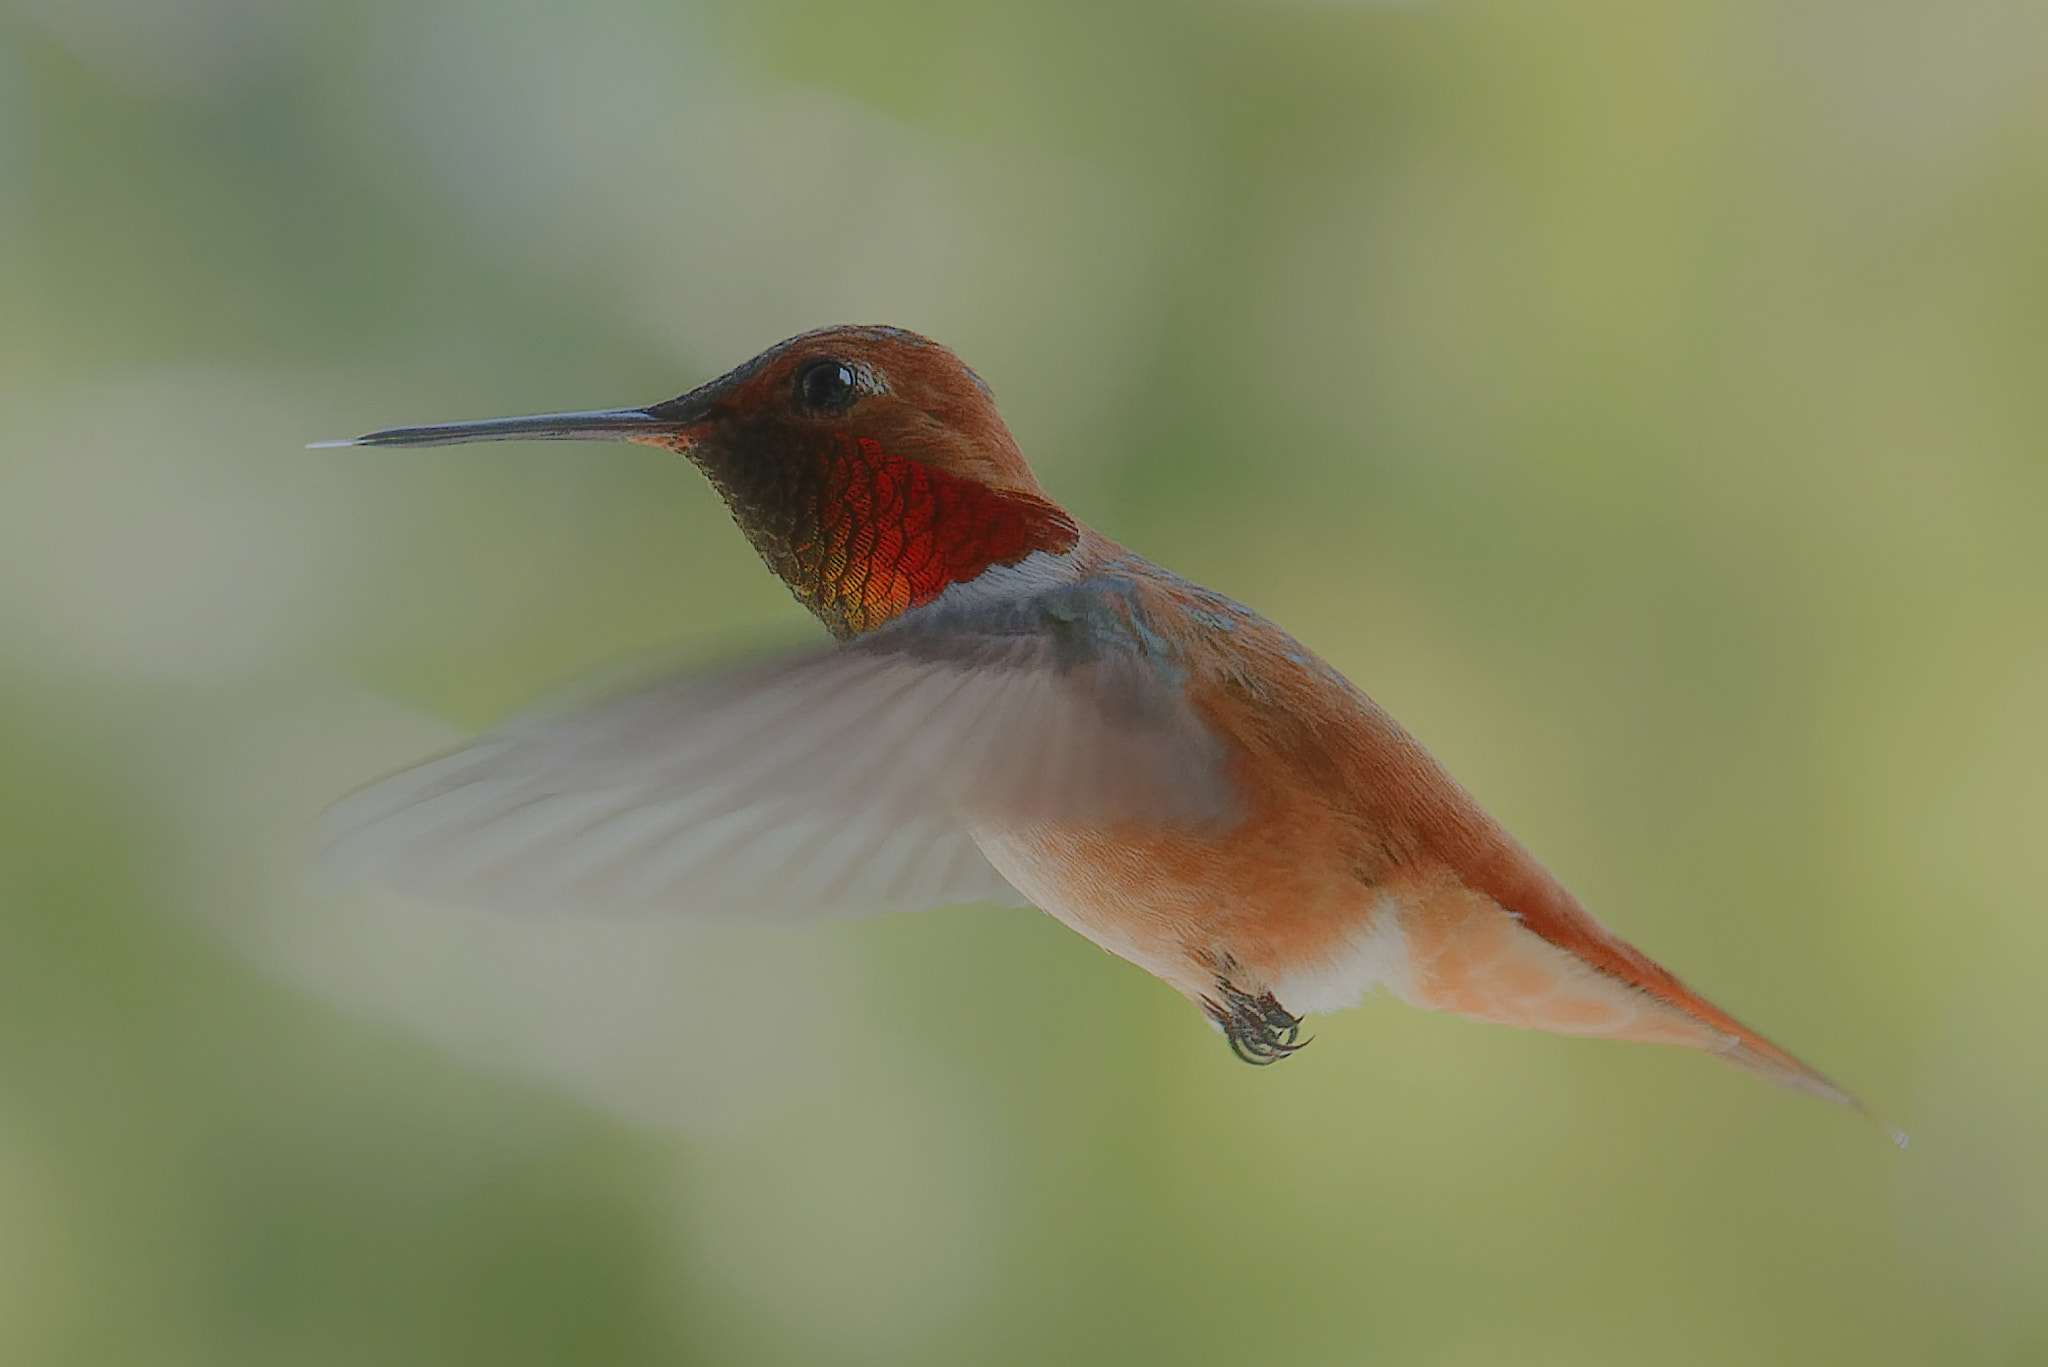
x=909, y=395
x=867, y=465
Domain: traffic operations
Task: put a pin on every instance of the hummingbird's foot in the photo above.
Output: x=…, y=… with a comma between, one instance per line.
x=1259, y=1029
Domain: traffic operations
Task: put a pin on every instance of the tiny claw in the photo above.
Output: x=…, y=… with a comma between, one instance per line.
x=1260, y=1030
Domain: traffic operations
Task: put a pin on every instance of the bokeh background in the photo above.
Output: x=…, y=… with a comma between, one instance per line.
x=1647, y=403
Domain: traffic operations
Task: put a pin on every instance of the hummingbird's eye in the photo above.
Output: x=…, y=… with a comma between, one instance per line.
x=826, y=386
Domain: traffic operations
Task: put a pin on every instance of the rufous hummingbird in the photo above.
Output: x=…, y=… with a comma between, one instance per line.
x=1017, y=709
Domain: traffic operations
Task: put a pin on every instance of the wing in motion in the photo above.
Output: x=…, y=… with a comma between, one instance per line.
x=837, y=782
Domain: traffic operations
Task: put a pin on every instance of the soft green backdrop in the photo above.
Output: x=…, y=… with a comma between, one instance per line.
x=1648, y=402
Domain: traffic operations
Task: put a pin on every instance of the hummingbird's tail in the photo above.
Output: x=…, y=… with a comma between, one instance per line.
x=1545, y=963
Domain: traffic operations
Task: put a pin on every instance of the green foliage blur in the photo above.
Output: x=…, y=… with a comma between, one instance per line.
x=1648, y=403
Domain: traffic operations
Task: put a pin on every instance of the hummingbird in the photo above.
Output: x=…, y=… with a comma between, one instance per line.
x=1015, y=709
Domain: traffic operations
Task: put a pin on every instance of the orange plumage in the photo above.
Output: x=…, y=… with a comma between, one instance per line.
x=1018, y=708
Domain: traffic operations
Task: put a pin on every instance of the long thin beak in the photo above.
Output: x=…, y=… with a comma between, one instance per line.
x=603, y=424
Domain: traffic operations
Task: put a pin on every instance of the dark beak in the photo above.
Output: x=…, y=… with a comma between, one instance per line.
x=604, y=424
x=654, y=424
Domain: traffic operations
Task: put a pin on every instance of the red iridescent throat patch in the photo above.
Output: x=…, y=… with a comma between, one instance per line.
x=878, y=535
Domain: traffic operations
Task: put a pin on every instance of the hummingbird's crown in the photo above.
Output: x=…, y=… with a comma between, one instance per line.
x=870, y=469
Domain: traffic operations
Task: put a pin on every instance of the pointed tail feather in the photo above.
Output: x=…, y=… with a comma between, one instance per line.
x=1562, y=971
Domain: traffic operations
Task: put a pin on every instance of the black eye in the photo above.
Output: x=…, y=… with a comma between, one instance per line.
x=826, y=386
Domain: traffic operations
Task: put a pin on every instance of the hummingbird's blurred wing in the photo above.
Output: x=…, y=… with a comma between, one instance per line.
x=838, y=782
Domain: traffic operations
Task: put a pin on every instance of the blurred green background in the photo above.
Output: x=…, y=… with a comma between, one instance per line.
x=1647, y=403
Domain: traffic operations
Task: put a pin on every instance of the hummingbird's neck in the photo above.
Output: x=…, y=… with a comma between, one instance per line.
x=861, y=536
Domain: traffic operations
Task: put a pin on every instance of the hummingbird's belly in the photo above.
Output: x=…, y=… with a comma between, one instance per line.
x=1264, y=913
